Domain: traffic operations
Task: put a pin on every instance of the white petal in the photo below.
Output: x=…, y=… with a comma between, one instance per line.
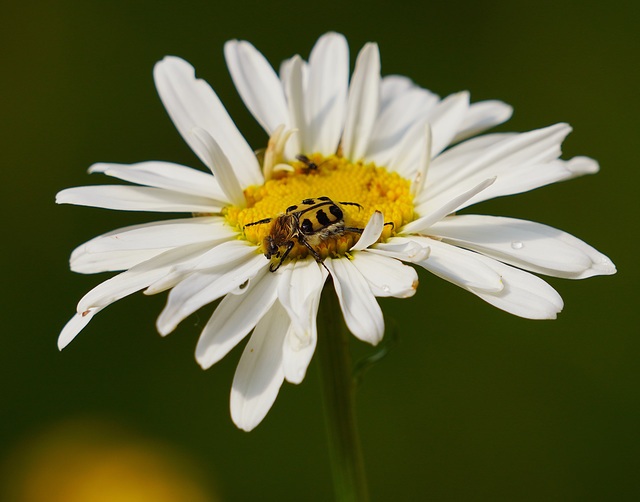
x=224, y=254
x=447, y=119
x=165, y=175
x=363, y=103
x=390, y=138
x=326, y=95
x=74, y=326
x=371, y=232
x=392, y=86
x=110, y=261
x=360, y=308
x=386, y=276
x=422, y=168
x=294, y=89
x=221, y=257
x=525, y=244
x=201, y=288
x=235, y=316
x=443, y=119
x=525, y=178
x=159, y=234
x=394, y=89
x=132, y=198
x=259, y=374
x=258, y=84
x=407, y=153
x=482, y=116
x=520, y=293
x=300, y=282
x=215, y=159
x=580, y=166
x=522, y=178
x=299, y=293
x=464, y=268
x=402, y=248
x=191, y=103
x=423, y=223
x=285, y=68
x=459, y=156
x=138, y=277
x=524, y=294
x=125, y=247
x=521, y=160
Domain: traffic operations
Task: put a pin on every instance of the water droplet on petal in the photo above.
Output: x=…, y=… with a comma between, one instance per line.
x=386, y=288
x=517, y=244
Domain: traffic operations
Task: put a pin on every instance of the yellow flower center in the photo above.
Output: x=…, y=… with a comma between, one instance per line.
x=371, y=187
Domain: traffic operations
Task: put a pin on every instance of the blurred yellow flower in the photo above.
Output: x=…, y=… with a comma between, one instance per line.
x=92, y=461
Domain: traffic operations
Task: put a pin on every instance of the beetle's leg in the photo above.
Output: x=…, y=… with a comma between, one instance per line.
x=286, y=253
x=314, y=253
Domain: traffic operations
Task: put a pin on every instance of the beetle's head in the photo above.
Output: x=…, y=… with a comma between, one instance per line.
x=270, y=247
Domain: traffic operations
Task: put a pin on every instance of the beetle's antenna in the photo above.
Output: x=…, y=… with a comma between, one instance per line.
x=266, y=220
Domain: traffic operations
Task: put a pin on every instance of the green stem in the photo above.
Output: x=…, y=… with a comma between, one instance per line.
x=338, y=392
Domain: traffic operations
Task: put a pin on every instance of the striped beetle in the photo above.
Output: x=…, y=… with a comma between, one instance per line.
x=310, y=222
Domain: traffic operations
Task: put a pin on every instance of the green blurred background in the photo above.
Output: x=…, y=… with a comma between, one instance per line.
x=472, y=405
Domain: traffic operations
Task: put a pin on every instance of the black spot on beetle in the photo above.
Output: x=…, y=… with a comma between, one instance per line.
x=291, y=208
x=336, y=211
x=306, y=226
x=309, y=202
x=323, y=218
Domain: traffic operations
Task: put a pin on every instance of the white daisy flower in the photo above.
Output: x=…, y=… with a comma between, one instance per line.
x=358, y=177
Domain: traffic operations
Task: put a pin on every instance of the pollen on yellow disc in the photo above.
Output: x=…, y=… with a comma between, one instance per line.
x=374, y=188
